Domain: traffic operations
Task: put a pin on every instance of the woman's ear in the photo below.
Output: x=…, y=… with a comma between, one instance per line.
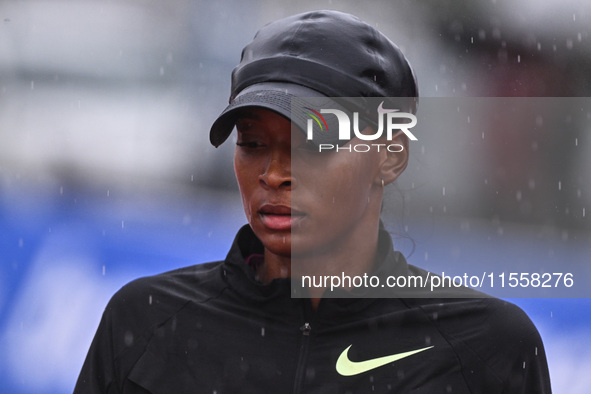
x=395, y=159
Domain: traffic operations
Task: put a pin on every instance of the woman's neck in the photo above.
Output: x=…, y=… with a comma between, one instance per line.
x=354, y=255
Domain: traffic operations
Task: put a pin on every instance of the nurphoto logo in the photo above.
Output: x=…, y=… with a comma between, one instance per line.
x=389, y=121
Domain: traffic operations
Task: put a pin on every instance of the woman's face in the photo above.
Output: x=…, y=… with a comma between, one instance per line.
x=299, y=201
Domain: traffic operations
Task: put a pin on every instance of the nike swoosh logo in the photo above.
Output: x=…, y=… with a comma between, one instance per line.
x=382, y=110
x=347, y=367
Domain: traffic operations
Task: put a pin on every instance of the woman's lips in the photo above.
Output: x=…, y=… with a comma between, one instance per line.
x=279, y=217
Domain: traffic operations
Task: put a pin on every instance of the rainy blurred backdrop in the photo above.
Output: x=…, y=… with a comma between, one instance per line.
x=106, y=173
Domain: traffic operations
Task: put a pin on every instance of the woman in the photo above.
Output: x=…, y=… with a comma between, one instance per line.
x=233, y=326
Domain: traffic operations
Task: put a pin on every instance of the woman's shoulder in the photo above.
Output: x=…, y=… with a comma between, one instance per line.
x=489, y=334
x=459, y=308
x=152, y=299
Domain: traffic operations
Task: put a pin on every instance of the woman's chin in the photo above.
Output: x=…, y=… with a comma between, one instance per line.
x=278, y=243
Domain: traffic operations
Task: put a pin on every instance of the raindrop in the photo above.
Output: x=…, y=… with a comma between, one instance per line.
x=536, y=351
x=483, y=135
x=284, y=240
x=468, y=117
x=443, y=190
x=583, y=212
x=576, y=142
x=472, y=40
x=518, y=58
x=128, y=338
x=531, y=184
x=20, y=242
x=539, y=46
x=569, y=44
x=524, y=365
x=262, y=331
x=32, y=85
x=579, y=37
x=574, y=17
x=122, y=224
x=426, y=256
x=518, y=195
x=559, y=185
x=161, y=71
x=104, y=270
x=436, y=88
x=150, y=300
x=465, y=226
x=61, y=190
x=539, y=120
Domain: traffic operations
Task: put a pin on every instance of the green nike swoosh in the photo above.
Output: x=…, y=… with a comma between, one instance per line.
x=347, y=367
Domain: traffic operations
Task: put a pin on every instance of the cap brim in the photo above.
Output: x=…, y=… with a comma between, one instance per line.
x=276, y=96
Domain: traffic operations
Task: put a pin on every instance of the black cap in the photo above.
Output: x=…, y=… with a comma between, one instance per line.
x=315, y=54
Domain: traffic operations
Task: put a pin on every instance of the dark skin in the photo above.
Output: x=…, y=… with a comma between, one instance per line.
x=315, y=213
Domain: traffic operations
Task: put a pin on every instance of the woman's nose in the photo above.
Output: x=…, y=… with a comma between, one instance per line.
x=278, y=170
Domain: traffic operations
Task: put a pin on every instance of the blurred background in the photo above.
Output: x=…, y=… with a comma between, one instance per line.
x=107, y=174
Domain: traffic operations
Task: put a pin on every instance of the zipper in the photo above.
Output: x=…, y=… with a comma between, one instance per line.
x=300, y=374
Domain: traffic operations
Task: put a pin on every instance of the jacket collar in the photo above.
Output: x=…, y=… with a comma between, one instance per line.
x=242, y=277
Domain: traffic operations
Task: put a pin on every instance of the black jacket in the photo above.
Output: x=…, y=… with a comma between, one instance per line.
x=212, y=328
